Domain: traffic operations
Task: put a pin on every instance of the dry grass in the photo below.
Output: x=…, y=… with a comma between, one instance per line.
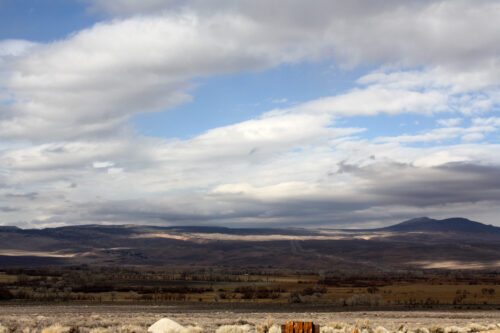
x=61, y=319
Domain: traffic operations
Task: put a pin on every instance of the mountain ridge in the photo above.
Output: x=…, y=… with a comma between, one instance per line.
x=415, y=243
x=453, y=224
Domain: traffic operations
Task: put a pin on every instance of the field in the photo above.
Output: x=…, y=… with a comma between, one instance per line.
x=137, y=318
x=98, y=299
x=428, y=290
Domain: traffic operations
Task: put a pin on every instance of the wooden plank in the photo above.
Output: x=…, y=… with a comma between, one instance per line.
x=300, y=327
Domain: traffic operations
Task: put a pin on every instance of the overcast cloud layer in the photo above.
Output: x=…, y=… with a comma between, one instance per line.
x=69, y=153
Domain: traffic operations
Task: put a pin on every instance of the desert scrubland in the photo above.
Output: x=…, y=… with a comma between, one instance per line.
x=368, y=280
x=96, y=319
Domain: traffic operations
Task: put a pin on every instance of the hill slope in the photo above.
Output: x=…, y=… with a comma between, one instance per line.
x=416, y=243
x=454, y=224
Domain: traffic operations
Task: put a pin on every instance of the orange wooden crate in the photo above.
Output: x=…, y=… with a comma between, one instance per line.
x=299, y=327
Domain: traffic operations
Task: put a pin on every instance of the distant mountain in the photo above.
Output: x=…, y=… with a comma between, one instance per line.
x=241, y=231
x=454, y=224
x=417, y=243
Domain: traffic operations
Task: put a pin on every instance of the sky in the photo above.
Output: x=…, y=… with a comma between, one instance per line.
x=338, y=114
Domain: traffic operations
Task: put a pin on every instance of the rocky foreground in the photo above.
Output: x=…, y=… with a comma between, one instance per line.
x=132, y=319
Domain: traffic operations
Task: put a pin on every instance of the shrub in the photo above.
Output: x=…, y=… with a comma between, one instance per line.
x=421, y=330
x=3, y=329
x=436, y=329
x=381, y=329
x=5, y=294
x=337, y=325
x=473, y=327
x=241, y=321
x=131, y=329
x=329, y=329
x=455, y=329
x=266, y=326
x=233, y=329
x=57, y=328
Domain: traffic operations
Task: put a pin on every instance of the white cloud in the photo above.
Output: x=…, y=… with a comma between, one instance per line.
x=100, y=165
x=490, y=121
x=115, y=171
x=473, y=133
x=280, y=100
x=375, y=100
x=216, y=178
x=428, y=91
x=413, y=33
x=450, y=122
x=91, y=83
x=472, y=137
x=15, y=47
x=70, y=102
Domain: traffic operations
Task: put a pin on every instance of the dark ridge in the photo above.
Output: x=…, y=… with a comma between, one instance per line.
x=31, y=261
x=454, y=224
x=77, y=231
x=8, y=228
x=238, y=231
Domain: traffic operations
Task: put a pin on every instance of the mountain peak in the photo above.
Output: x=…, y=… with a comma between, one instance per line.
x=454, y=224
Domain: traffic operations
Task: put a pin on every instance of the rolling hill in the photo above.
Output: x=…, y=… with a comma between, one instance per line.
x=417, y=243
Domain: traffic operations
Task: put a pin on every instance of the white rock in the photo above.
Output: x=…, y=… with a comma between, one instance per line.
x=166, y=325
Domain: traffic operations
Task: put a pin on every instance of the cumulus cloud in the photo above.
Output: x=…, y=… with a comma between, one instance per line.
x=15, y=48
x=91, y=83
x=450, y=122
x=472, y=133
x=429, y=91
x=100, y=165
x=416, y=33
x=65, y=110
x=405, y=188
x=201, y=181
